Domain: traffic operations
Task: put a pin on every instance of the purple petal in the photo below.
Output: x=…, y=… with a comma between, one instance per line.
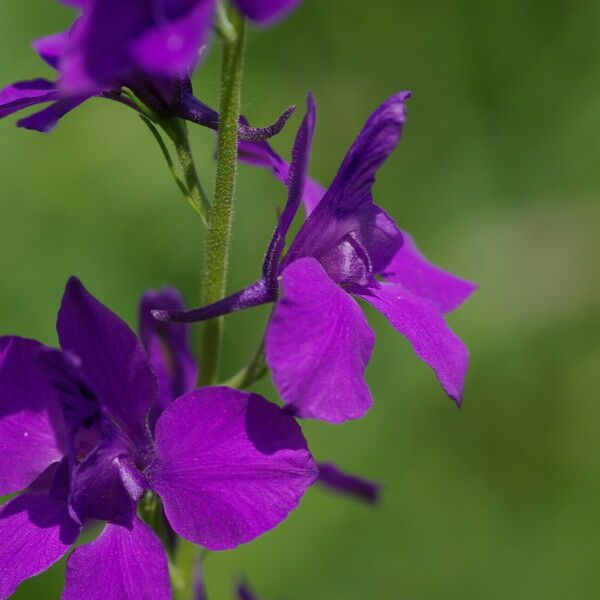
x=297, y=178
x=32, y=434
x=254, y=295
x=318, y=344
x=168, y=346
x=230, y=466
x=330, y=476
x=99, y=49
x=52, y=47
x=411, y=269
x=377, y=140
x=421, y=323
x=22, y=94
x=174, y=46
x=266, y=12
x=36, y=531
x=46, y=119
x=351, y=236
x=120, y=564
x=112, y=359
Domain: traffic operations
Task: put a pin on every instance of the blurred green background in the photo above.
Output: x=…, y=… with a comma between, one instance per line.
x=498, y=179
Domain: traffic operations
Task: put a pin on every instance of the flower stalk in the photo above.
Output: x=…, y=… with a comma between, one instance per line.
x=218, y=236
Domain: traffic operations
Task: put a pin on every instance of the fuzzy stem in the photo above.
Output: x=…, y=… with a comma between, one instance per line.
x=219, y=226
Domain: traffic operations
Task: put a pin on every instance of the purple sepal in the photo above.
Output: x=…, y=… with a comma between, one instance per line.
x=51, y=47
x=229, y=466
x=32, y=432
x=173, y=45
x=36, y=531
x=123, y=562
x=318, y=344
x=410, y=268
x=23, y=94
x=333, y=478
x=111, y=357
x=421, y=323
x=46, y=119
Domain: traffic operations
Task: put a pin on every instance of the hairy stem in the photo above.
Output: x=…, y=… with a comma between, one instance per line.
x=216, y=253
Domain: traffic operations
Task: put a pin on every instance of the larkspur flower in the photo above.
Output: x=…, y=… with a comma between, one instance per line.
x=318, y=341
x=151, y=52
x=82, y=436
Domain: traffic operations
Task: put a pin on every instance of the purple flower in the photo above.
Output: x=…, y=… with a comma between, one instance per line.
x=318, y=341
x=82, y=436
x=136, y=45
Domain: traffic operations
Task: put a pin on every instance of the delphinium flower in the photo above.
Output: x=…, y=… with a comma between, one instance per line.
x=85, y=431
x=151, y=54
x=318, y=341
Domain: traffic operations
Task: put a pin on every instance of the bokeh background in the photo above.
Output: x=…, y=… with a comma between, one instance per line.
x=497, y=177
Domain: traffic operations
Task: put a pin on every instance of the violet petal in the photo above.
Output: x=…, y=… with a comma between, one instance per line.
x=410, y=268
x=112, y=359
x=230, y=466
x=121, y=563
x=173, y=46
x=51, y=47
x=318, y=344
x=46, y=119
x=420, y=322
x=36, y=531
x=23, y=94
x=32, y=434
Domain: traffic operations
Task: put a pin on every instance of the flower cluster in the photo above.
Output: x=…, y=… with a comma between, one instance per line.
x=111, y=434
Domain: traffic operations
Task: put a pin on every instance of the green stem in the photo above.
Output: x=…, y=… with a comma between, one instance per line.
x=216, y=253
